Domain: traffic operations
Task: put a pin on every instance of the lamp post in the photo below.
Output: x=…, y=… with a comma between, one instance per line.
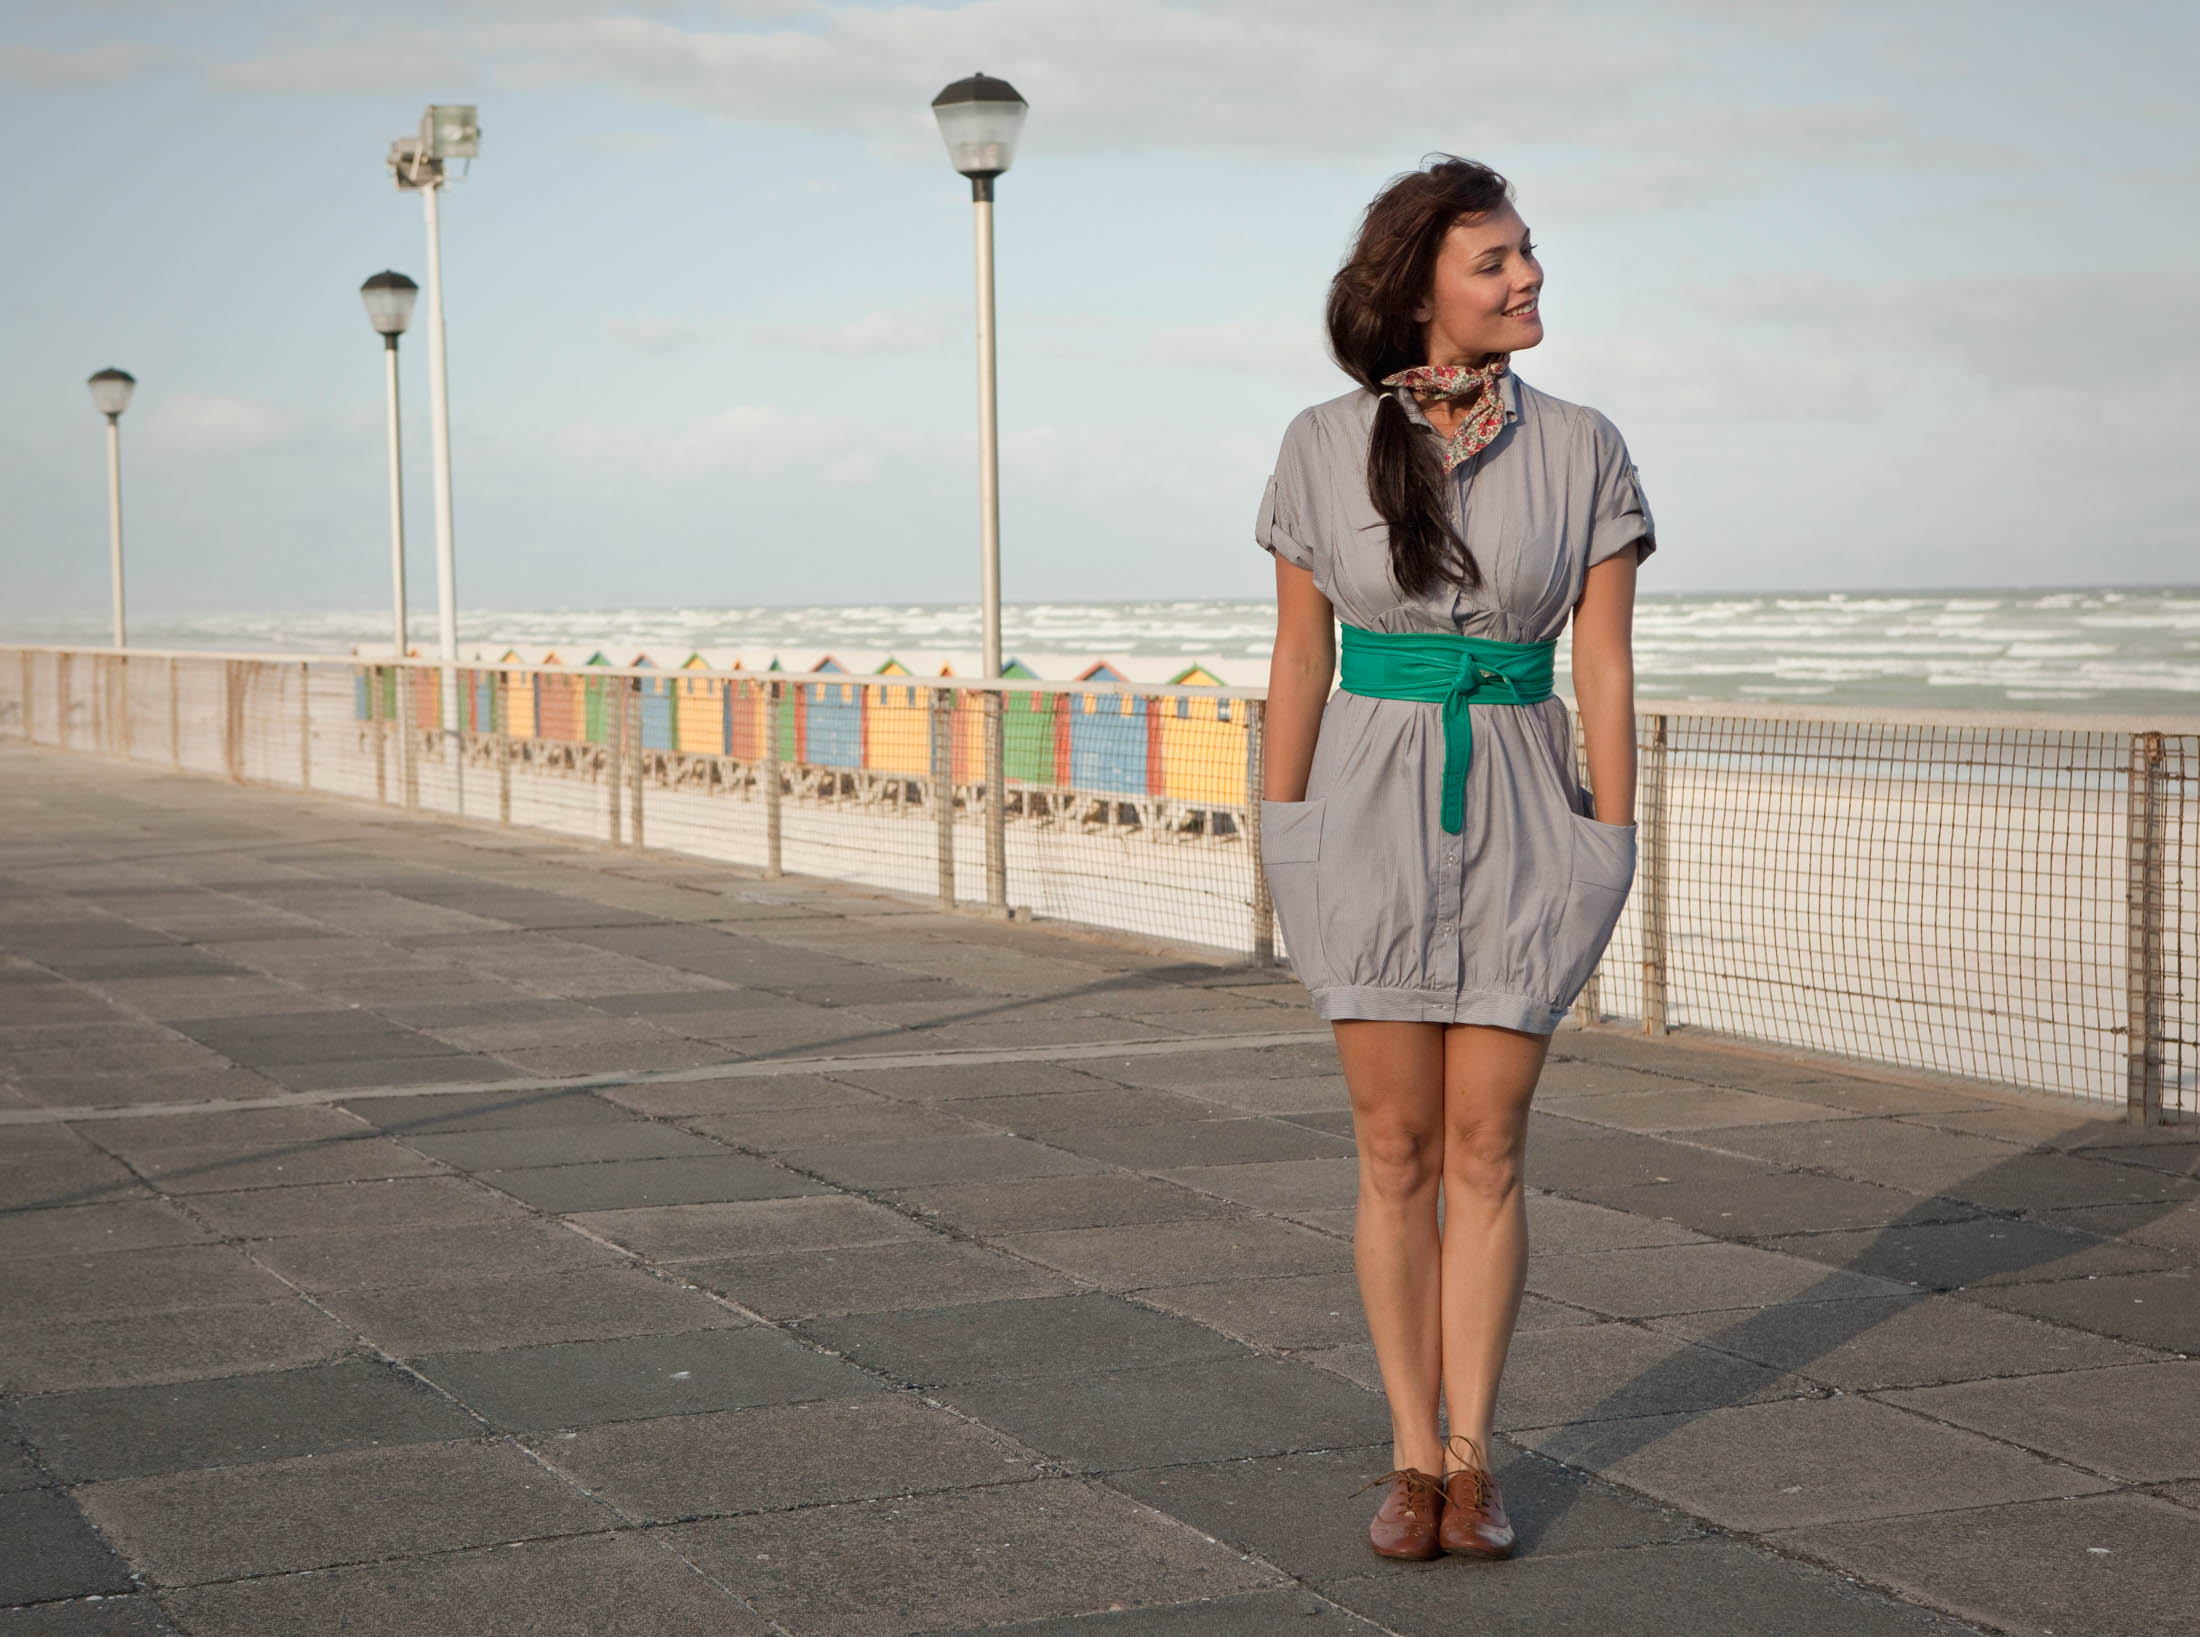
x=447, y=131
x=111, y=389
x=980, y=119
x=389, y=299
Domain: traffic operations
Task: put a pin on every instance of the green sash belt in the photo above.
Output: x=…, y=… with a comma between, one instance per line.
x=1452, y=671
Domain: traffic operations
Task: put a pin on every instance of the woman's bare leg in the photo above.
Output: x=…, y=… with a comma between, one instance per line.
x=1395, y=1073
x=1489, y=1077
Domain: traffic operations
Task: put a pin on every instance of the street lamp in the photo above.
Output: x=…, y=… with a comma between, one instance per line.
x=389, y=298
x=111, y=389
x=447, y=131
x=980, y=119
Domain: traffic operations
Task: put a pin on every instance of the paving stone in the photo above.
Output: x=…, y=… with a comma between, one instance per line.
x=2132, y=1422
x=329, y=1262
x=773, y=1130
x=926, y=1272
x=1703, y=1587
x=129, y=1432
x=1147, y=1255
x=755, y=1094
x=1974, y=1251
x=2103, y=1565
x=2176, y=1230
x=242, y=1130
x=778, y=1456
x=279, y=1039
x=1785, y=1202
x=52, y=1552
x=1203, y=1410
x=92, y=1616
x=1897, y=1341
x=686, y=1233
x=84, y=1229
x=1049, y=1336
x=916, y=1161
x=1278, y=1185
x=351, y=1506
x=1188, y=1071
x=394, y=1204
x=586, y=1304
x=1634, y=1284
x=1254, y=1614
x=1297, y=1094
x=53, y=1182
x=219, y=1170
x=1300, y=1512
x=155, y=1280
x=570, y=1384
x=142, y=1088
x=1202, y=1142
x=610, y=1585
x=1682, y=1107
x=1104, y=1200
x=1557, y=1224
x=620, y=1184
x=967, y=1557
x=485, y=1111
x=51, y=1355
x=1040, y=1113
x=1601, y=1372
x=1291, y=1312
x=527, y=1147
x=1794, y=1461
x=1597, y=1163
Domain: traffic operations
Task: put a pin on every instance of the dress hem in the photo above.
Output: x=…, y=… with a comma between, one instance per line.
x=1487, y=1007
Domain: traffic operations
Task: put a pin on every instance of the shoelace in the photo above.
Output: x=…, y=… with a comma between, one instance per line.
x=1420, y=1490
x=1472, y=1464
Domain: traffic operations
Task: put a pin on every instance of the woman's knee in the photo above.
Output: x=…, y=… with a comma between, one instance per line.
x=1484, y=1160
x=1400, y=1164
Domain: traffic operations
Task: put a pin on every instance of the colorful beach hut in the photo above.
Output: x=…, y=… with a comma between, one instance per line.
x=790, y=722
x=701, y=723
x=1108, y=748
x=658, y=706
x=832, y=728
x=518, y=692
x=897, y=724
x=596, y=692
x=1034, y=732
x=747, y=709
x=557, y=704
x=1201, y=743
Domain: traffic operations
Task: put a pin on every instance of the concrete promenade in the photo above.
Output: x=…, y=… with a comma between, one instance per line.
x=561, y=1242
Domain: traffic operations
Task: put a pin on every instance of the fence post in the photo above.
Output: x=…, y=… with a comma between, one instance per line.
x=408, y=756
x=61, y=701
x=633, y=708
x=614, y=753
x=943, y=788
x=122, y=704
x=1256, y=781
x=500, y=724
x=232, y=721
x=771, y=779
x=1654, y=861
x=2145, y=838
x=175, y=714
x=378, y=719
x=996, y=803
x=305, y=726
x=29, y=736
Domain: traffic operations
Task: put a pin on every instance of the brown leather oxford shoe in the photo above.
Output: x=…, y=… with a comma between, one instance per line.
x=1405, y=1525
x=1474, y=1521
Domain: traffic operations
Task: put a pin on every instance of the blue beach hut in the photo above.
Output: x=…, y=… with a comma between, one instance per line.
x=1107, y=737
x=833, y=719
x=658, y=708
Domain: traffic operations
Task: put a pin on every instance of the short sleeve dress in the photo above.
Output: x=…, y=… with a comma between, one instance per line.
x=1384, y=915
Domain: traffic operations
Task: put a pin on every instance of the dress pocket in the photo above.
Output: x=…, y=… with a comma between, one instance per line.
x=1602, y=871
x=1290, y=854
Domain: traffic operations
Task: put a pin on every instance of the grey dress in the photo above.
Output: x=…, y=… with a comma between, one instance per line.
x=1384, y=915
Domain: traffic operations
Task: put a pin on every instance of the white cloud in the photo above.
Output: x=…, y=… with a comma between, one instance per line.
x=905, y=330
x=747, y=440
x=32, y=68
x=195, y=425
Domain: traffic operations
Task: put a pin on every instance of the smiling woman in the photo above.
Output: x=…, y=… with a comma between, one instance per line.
x=1444, y=882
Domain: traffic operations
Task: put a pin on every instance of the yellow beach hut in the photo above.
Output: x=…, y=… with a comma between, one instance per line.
x=1202, y=742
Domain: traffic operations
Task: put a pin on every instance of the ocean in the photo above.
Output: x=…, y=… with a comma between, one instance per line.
x=2123, y=651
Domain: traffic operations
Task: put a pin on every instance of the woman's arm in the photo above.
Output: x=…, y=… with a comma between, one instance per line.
x=1299, y=673
x=1604, y=682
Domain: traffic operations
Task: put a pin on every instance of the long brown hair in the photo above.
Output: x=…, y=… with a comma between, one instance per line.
x=1372, y=333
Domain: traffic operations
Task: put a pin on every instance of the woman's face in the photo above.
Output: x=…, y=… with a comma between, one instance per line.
x=1484, y=296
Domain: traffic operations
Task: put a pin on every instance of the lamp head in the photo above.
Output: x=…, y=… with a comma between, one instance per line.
x=389, y=297
x=980, y=119
x=111, y=390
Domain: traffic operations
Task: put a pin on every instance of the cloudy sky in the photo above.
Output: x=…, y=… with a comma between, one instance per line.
x=1881, y=294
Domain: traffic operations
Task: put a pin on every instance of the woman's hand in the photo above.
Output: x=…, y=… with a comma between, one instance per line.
x=1299, y=673
x=1604, y=682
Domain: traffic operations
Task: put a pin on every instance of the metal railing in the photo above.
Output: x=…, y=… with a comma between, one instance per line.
x=2007, y=897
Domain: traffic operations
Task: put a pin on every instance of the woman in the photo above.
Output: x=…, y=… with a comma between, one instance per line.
x=1444, y=883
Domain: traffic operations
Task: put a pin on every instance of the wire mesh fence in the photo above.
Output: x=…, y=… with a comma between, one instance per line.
x=2006, y=897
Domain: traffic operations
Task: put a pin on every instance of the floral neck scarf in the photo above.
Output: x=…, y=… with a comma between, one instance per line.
x=1485, y=407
